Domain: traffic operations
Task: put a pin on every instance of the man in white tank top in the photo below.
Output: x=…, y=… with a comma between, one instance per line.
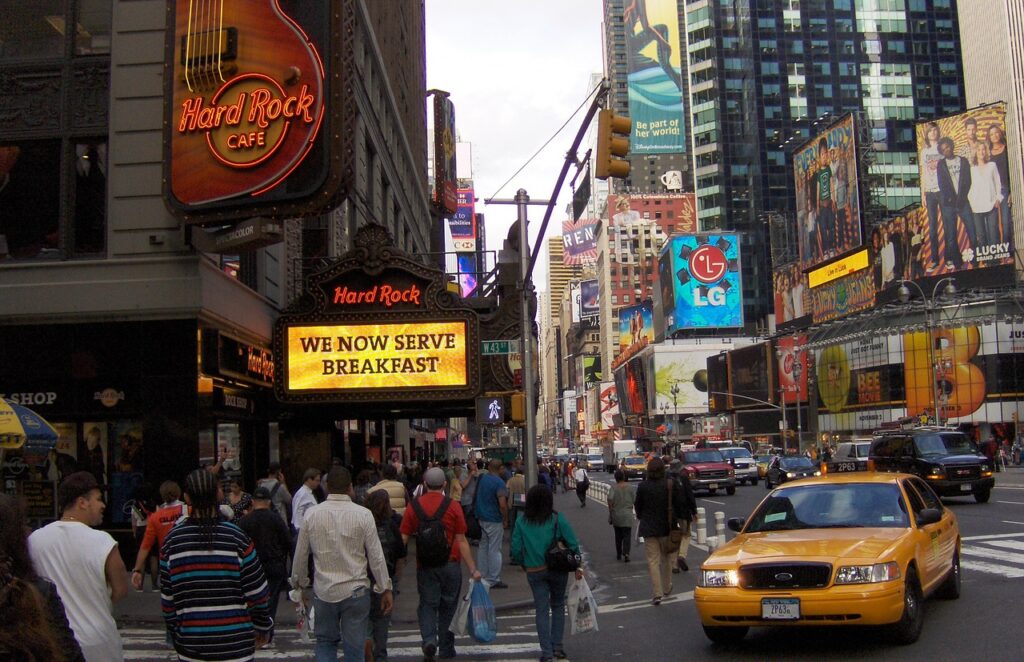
x=85, y=565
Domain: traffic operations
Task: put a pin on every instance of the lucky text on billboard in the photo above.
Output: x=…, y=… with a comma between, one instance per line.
x=827, y=200
x=965, y=191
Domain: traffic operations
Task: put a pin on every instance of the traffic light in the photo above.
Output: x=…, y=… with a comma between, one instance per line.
x=612, y=145
x=518, y=407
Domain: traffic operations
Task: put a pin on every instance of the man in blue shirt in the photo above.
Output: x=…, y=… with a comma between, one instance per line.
x=491, y=505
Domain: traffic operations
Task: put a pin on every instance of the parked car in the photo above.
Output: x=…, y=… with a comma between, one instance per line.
x=708, y=470
x=784, y=468
x=743, y=463
x=945, y=458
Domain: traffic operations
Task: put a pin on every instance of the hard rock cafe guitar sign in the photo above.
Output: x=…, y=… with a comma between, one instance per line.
x=249, y=107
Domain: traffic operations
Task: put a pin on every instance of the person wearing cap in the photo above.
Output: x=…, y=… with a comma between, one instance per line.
x=439, y=588
x=270, y=535
x=652, y=509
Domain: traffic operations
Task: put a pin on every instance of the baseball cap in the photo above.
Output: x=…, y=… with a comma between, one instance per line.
x=261, y=493
x=434, y=478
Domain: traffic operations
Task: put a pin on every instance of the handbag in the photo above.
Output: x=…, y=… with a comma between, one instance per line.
x=560, y=558
x=675, y=532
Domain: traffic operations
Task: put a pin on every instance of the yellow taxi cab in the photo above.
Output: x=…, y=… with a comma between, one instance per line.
x=843, y=549
x=634, y=466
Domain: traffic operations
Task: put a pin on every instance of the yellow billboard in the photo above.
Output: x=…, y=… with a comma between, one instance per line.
x=351, y=357
x=836, y=270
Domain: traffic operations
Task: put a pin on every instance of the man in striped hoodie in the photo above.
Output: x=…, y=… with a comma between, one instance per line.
x=214, y=594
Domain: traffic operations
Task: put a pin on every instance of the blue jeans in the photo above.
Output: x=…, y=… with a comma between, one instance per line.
x=549, y=608
x=334, y=622
x=439, y=590
x=378, y=628
x=488, y=559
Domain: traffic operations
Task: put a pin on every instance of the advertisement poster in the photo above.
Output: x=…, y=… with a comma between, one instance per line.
x=92, y=450
x=750, y=376
x=674, y=212
x=792, y=368
x=967, y=222
x=958, y=381
x=631, y=385
x=462, y=223
x=126, y=478
x=468, y=273
x=636, y=326
x=842, y=297
x=579, y=242
x=590, y=303
x=591, y=371
x=827, y=198
x=700, y=282
x=792, y=298
x=65, y=456
x=654, y=59
x=681, y=378
x=445, y=195
x=609, y=405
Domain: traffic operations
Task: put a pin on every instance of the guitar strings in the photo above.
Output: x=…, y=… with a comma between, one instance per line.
x=188, y=48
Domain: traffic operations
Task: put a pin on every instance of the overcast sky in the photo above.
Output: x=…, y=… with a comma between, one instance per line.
x=516, y=71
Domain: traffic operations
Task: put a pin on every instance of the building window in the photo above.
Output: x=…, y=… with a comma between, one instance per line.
x=30, y=199
x=38, y=29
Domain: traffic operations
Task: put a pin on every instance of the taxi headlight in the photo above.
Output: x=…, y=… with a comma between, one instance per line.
x=868, y=574
x=718, y=578
x=817, y=473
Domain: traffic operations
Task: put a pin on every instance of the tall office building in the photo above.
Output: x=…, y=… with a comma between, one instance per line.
x=766, y=76
x=992, y=44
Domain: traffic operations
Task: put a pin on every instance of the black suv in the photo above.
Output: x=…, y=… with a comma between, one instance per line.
x=946, y=459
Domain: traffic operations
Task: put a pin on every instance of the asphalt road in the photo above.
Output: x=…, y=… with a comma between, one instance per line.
x=982, y=624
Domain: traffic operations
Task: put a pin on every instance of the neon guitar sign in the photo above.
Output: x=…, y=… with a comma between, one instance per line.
x=247, y=101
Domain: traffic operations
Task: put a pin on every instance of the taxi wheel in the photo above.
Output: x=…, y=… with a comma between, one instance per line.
x=724, y=634
x=982, y=497
x=950, y=589
x=908, y=628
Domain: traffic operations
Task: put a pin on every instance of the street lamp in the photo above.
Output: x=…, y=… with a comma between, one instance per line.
x=904, y=294
x=675, y=408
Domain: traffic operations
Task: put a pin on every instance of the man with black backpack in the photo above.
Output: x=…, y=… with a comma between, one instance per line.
x=440, y=530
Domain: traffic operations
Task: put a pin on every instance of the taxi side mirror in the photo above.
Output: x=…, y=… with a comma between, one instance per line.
x=736, y=524
x=929, y=516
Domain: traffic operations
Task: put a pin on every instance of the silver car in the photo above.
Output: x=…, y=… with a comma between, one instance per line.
x=744, y=463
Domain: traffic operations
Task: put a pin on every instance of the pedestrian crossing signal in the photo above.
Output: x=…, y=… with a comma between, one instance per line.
x=490, y=410
x=518, y=407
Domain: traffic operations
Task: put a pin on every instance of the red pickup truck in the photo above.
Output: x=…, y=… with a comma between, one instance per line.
x=708, y=470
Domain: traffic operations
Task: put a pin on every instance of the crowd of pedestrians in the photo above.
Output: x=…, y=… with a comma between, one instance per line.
x=220, y=558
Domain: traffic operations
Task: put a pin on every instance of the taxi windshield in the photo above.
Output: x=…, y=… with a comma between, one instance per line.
x=828, y=506
x=734, y=452
x=704, y=456
x=950, y=443
x=635, y=460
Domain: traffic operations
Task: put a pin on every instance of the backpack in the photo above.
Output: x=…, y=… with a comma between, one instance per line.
x=432, y=546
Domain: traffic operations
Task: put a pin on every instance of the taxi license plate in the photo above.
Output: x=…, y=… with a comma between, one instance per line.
x=966, y=487
x=780, y=609
x=713, y=486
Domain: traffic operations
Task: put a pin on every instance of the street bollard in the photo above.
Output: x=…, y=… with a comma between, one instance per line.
x=702, y=526
x=719, y=529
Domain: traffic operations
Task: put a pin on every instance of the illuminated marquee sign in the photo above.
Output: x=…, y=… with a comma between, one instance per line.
x=249, y=108
x=844, y=267
x=379, y=329
x=377, y=356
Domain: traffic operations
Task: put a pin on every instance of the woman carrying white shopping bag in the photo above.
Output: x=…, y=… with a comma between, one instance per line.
x=544, y=544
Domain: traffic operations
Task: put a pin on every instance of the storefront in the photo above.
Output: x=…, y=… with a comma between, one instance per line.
x=135, y=403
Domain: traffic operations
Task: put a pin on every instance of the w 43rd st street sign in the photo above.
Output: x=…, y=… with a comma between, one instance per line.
x=499, y=347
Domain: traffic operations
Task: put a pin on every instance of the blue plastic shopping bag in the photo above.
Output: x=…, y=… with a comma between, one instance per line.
x=483, y=622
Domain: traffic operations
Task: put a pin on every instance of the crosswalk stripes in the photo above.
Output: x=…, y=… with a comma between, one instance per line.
x=516, y=642
x=998, y=554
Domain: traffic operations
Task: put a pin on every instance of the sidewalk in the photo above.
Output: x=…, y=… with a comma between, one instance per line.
x=144, y=607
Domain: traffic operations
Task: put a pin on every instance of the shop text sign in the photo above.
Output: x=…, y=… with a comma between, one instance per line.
x=353, y=357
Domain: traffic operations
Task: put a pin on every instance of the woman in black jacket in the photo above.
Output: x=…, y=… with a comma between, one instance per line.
x=33, y=624
x=652, y=509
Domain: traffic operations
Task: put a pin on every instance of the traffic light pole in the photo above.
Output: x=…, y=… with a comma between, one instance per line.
x=526, y=291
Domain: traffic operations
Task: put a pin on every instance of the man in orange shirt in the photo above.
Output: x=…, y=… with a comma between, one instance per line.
x=158, y=526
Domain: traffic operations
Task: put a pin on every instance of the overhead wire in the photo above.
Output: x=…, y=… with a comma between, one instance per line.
x=585, y=101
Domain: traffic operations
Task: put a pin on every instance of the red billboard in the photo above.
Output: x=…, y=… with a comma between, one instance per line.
x=792, y=367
